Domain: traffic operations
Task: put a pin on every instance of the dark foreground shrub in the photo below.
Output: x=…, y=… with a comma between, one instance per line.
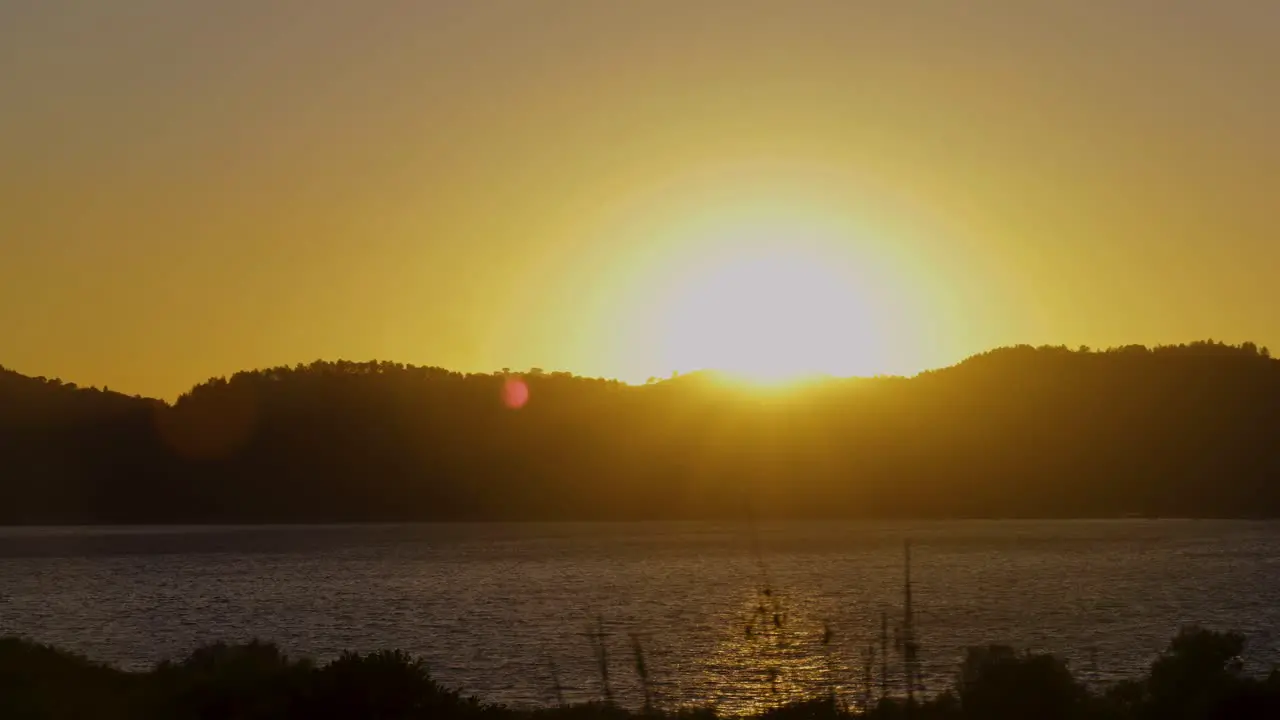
x=598, y=710
x=382, y=686
x=816, y=709
x=232, y=682
x=1199, y=677
x=1200, y=669
x=38, y=682
x=1254, y=701
x=997, y=683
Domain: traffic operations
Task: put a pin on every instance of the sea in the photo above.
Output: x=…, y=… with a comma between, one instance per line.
x=736, y=615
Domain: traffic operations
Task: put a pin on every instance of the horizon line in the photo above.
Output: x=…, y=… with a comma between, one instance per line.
x=741, y=378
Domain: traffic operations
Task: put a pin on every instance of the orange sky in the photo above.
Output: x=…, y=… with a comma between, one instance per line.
x=191, y=188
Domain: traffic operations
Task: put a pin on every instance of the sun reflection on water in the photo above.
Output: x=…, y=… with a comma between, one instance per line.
x=778, y=653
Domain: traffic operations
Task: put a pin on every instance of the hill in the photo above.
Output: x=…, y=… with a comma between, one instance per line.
x=1186, y=430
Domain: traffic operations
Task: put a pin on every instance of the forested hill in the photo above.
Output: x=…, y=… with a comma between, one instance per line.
x=1188, y=430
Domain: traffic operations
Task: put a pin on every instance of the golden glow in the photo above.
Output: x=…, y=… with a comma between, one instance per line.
x=489, y=185
x=768, y=286
x=771, y=316
x=764, y=271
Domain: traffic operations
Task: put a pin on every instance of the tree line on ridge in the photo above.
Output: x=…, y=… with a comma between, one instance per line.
x=1180, y=430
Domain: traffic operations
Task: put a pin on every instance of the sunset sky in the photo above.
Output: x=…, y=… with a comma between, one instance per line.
x=625, y=188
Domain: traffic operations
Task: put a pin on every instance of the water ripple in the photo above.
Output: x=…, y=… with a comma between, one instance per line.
x=493, y=608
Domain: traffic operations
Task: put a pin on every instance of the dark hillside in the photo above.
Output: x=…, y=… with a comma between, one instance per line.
x=1186, y=430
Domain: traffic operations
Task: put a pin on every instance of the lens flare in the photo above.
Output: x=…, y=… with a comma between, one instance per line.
x=515, y=393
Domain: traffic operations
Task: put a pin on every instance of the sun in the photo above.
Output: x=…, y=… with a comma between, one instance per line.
x=771, y=316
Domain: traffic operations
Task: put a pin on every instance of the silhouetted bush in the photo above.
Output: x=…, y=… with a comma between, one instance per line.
x=1199, y=677
x=1171, y=431
x=1251, y=701
x=824, y=708
x=247, y=682
x=998, y=683
x=37, y=681
x=383, y=686
x=1201, y=674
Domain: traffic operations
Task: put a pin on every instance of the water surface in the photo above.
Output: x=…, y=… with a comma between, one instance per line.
x=495, y=607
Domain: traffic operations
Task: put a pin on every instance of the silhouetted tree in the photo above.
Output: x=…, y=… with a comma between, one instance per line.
x=999, y=684
x=1171, y=430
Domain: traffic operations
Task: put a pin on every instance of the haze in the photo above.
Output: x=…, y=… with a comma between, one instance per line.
x=191, y=188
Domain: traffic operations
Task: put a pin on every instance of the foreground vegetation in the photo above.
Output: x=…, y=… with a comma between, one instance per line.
x=1200, y=676
x=1178, y=431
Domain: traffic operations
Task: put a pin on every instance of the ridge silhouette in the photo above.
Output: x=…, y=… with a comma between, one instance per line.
x=1182, y=430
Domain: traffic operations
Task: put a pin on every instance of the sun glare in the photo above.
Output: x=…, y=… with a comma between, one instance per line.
x=771, y=317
